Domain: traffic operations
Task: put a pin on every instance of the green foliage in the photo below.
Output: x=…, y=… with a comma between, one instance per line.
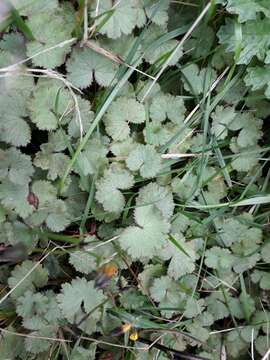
x=148, y=234
x=122, y=112
x=35, y=278
x=84, y=64
x=61, y=23
x=132, y=165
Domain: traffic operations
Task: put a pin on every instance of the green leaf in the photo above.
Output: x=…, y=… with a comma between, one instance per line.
x=122, y=112
x=255, y=39
x=10, y=344
x=261, y=277
x=237, y=231
x=236, y=306
x=148, y=275
x=148, y=235
x=246, y=159
x=108, y=192
x=92, y=160
x=160, y=197
x=80, y=353
x=156, y=51
x=85, y=65
x=222, y=118
x=36, y=279
x=91, y=256
x=14, y=98
x=80, y=294
x=15, y=166
x=218, y=258
x=123, y=18
x=43, y=105
x=182, y=261
x=258, y=77
x=248, y=9
x=265, y=253
x=38, y=310
x=194, y=308
x=245, y=263
x=216, y=306
x=196, y=80
x=157, y=11
x=87, y=116
x=54, y=162
x=47, y=37
x=185, y=187
x=50, y=210
x=198, y=45
x=166, y=106
x=54, y=214
x=36, y=343
x=166, y=292
x=132, y=299
x=30, y=7
x=261, y=345
x=21, y=25
x=145, y=159
x=14, y=197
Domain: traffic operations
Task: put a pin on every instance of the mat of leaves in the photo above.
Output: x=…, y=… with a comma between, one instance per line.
x=134, y=179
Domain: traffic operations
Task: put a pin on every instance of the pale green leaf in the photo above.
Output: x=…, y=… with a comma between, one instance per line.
x=166, y=292
x=148, y=235
x=222, y=118
x=166, y=106
x=123, y=18
x=218, y=258
x=122, y=112
x=44, y=112
x=153, y=54
x=36, y=278
x=196, y=80
x=145, y=159
x=92, y=160
x=49, y=29
x=80, y=294
x=258, y=77
x=194, y=308
x=261, y=277
x=30, y=7
x=159, y=197
x=108, y=192
x=85, y=65
x=54, y=162
x=157, y=11
x=14, y=197
x=15, y=166
x=255, y=39
x=248, y=9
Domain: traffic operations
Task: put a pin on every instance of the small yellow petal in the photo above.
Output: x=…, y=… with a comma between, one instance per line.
x=134, y=336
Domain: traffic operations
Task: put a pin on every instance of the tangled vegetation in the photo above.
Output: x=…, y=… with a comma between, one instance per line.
x=134, y=179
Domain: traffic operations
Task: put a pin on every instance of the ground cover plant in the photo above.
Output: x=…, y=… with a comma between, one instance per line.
x=134, y=179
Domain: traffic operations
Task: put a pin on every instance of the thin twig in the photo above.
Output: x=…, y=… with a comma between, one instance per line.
x=61, y=44
x=55, y=75
x=180, y=44
x=265, y=357
x=33, y=336
x=177, y=156
x=26, y=275
x=252, y=344
x=115, y=58
x=213, y=86
x=97, y=8
x=85, y=21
